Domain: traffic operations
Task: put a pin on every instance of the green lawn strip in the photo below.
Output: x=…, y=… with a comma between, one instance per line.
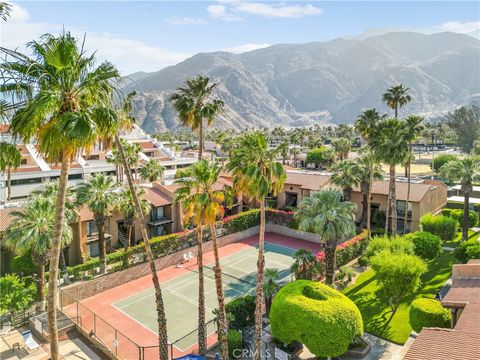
x=458, y=239
x=376, y=313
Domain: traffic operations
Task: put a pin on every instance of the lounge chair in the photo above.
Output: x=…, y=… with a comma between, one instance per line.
x=29, y=341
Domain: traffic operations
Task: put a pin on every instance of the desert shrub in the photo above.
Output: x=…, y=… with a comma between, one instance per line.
x=23, y=265
x=442, y=160
x=457, y=214
x=468, y=250
x=398, y=275
x=242, y=310
x=321, y=318
x=428, y=313
x=235, y=341
x=394, y=245
x=443, y=226
x=426, y=245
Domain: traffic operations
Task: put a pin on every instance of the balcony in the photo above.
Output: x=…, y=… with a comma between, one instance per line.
x=156, y=221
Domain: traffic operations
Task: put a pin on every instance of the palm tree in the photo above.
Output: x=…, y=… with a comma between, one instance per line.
x=257, y=173
x=366, y=125
x=467, y=172
x=125, y=121
x=342, y=147
x=126, y=205
x=396, y=97
x=10, y=158
x=132, y=151
x=65, y=98
x=305, y=265
x=325, y=214
x=97, y=192
x=346, y=176
x=368, y=171
x=414, y=129
x=31, y=232
x=194, y=106
x=271, y=287
x=152, y=171
x=390, y=146
x=5, y=10
x=203, y=205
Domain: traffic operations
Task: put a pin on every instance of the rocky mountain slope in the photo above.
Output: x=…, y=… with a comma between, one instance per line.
x=302, y=84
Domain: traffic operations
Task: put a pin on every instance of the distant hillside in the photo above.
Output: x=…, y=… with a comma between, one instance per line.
x=296, y=85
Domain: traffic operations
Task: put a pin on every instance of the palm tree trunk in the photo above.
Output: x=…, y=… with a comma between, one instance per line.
x=466, y=211
x=129, y=241
x=101, y=245
x=162, y=321
x=200, y=141
x=55, y=257
x=223, y=328
x=41, y=288
x=63, y=266
x=9, y=183
x=364, y=208
x=202, y=337
x=369, y=204
x=409, y=169
x=259, y=290
x=330, y=258
x=393, y=200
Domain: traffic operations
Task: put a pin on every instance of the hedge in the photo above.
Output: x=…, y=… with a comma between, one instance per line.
x=442, y=160
x=457, y=214
x=443, y=226
x=235, y=341
x=394, y=245
x=428, y=313
x=426, y=245
x=243, y=311
x=468, y=250
x=321, y=318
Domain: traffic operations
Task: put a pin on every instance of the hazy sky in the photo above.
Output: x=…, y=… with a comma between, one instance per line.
x=149, y=35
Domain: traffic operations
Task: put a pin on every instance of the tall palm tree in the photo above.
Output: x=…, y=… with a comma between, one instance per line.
x=31, y=232
x=97, y=192
x=346, y=176
x=152, y=171
x=125, y=205
x=467, y=172
x=325, y=214
x=389, y=145
x=132, y=151
x=194, y=105
x=125, y=121
x=396, y=97
x=10, y=158
x=368, y=172
x=414, y=129
x=5, y=10
x=366, y=125
x=65, y=96
x=342, y=147
x=203, y=205
x=257, y=173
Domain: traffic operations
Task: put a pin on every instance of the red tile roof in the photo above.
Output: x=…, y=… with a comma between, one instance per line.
x=6, y=218
x=156, y=197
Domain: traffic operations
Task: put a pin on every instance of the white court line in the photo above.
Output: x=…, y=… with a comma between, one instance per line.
x=138, y=322
x=282, y=246
x=181, y=296
x=135, y=301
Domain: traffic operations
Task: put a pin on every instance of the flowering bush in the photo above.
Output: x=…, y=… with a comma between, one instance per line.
x=348, y=250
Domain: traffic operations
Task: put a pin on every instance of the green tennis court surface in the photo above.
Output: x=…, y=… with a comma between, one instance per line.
x=181, y=293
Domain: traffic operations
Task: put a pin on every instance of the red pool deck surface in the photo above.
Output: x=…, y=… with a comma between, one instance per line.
x=101, y=304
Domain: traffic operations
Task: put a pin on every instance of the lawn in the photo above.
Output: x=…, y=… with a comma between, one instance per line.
x=376, y=313
x=455, y=242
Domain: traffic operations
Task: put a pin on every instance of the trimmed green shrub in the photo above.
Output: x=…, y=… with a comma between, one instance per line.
x=428, y=313
x=235, y=341
x=363, y=261
x=321, y=318
x=467, y=250
x=243, y=311
x=457, y=214
x=394, y=245
x=426, y=245
x=447, y=212
x=23, y=264
x=242, y=221
x=398, y=275
x=443, y=226
x=442, y=160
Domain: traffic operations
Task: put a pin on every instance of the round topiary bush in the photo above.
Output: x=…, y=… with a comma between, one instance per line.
x=428, y=313
x=426, y=245
x=321, y=318
x=235, y=342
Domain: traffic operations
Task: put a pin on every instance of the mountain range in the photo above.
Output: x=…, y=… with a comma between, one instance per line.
x=321, y=82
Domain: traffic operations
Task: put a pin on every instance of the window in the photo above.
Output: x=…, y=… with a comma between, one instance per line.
x=149, y=153
x=92, y=228
x=75, y=176
x=23, y=161
x=26, y=181
x=93, y=157
x=157, y=213
x=93, y=249
x=157, y=231
x=401, y=208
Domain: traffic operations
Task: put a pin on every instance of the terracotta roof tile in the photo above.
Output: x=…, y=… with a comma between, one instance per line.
x=156, y=197
x=6, y=218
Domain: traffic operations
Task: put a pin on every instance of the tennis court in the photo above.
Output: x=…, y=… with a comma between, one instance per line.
x=180, y=294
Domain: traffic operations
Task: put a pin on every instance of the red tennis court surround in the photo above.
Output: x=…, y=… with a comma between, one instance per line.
x=122, y=333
